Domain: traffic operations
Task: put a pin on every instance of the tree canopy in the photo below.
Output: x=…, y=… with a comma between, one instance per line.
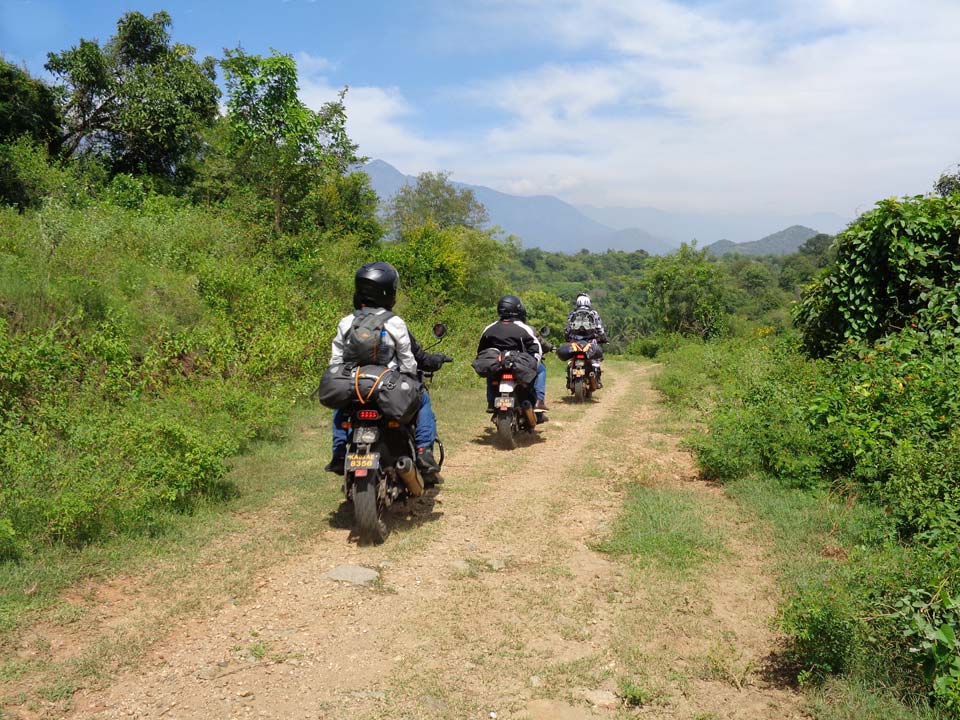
x=27, y=107
x=140, y=100
x=281, y=147
x=435, y=199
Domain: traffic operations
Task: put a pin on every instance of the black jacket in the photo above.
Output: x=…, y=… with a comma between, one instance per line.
x=511, y=335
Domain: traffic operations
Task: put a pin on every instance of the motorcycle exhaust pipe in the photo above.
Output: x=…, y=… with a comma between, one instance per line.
x=408, y=473
x=530, y=415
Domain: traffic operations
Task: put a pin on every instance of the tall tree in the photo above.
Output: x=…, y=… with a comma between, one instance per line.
x=435, y=199
x=282, y=146
x=27, y=107
x=684, y=293
x=948, y=183
x=140, y=100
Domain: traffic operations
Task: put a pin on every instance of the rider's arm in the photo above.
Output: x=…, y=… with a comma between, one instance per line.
x=336, y=349
x=485, y=339
x=530, y=342
x=406, y=362
x=601, y=331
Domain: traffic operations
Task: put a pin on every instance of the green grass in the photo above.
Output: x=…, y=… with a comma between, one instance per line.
x=666, y=528
x=834, y=553
x=845, y=699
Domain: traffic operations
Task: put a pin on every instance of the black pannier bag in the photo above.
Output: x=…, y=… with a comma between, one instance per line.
x=523, y=365
x=565, y=351
x=396, y=395
x=336, y=387
x=593, y=350
x=488, y=362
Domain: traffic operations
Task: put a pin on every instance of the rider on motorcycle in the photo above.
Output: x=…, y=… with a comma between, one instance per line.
x=511, y=332
x=375, y=286
x=581, y=307
x=584, y=323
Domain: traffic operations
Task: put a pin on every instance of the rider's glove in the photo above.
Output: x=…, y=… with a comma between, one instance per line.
x=432, y=361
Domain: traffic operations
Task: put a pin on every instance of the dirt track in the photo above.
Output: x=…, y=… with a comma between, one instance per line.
x=491, y=601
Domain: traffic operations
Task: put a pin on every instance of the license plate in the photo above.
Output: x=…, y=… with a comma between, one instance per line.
x=579, y=372
x=506, y=386
x=367, y=461
x=504, y=402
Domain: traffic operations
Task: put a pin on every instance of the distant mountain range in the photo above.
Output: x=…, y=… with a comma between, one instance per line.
x=549, y=223
x=785, y=242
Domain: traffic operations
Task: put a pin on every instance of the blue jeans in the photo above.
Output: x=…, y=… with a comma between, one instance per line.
x=540, y=384
x=425, y=430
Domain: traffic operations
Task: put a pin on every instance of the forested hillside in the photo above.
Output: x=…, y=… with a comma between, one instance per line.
x=174, y=258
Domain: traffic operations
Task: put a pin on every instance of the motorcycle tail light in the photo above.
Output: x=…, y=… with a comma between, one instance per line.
x=507, y=376
x=369, y=414
x=393, y=424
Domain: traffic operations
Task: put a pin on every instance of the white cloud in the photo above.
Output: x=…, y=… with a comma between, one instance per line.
x=824, y=105
x=794, y=105
x=378, y=120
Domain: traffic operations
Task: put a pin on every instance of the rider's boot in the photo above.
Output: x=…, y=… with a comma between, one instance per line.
x=428, y=466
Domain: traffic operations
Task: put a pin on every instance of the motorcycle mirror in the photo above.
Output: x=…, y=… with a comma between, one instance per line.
x=545, y=330
x=439, y=330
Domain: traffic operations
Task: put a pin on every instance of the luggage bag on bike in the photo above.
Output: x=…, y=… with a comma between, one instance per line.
x=396, y=395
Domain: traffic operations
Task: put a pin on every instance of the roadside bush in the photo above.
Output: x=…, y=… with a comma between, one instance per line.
x=872, y=424
x=824, y=632
x=141, y=345
x=897, y=266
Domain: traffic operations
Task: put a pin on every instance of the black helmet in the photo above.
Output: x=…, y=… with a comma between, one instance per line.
x=375, y=285
x=511, y=307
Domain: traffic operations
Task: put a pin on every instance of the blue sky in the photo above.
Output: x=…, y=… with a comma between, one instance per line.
x=720, y=105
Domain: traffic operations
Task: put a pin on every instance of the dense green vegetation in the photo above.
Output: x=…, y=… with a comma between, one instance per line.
x=170, y=281
x=871, y=423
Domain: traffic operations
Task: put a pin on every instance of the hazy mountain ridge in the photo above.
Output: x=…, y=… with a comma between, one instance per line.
x=786, y=241
x=709, y=228
x=549, y=223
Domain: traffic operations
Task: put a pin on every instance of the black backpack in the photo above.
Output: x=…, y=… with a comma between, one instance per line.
x=363, y=343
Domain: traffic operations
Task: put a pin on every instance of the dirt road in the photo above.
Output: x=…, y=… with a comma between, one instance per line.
x=491, y=601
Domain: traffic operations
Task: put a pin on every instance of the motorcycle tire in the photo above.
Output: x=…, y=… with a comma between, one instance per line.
x=579, y=391
x=367, y=509
x=505, y=436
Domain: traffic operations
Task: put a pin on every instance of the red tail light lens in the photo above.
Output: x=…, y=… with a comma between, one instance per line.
x=369, y=414
x=507, y=376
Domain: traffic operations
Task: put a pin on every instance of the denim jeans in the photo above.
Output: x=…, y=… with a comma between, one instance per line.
x=425, y=430
x=540, y=384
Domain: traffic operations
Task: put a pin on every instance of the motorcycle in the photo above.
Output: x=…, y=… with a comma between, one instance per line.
x=380, y=466
x=583, y=370
x=513, y=412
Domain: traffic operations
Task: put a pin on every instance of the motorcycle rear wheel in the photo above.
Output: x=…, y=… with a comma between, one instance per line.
x=505, y=436
x=579, y=391
x=367, y=510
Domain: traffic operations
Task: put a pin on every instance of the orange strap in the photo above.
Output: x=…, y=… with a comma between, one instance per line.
x=356, y=386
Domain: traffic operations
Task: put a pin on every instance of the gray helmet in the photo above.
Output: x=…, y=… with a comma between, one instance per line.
x=511, y=307
x=375, y=285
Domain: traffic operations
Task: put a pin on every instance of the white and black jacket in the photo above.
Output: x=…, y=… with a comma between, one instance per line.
x=511, y=335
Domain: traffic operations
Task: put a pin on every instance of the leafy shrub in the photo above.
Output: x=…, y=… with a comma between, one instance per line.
x=898, y=266
x=824, y=632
